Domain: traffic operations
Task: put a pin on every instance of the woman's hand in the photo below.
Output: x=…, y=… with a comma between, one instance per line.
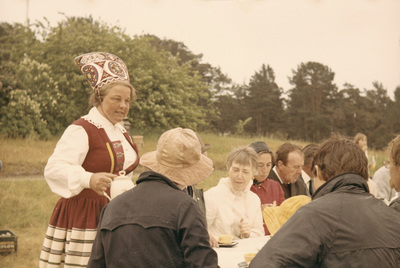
x=213, y=242
x=245, y=229
x=99, y=182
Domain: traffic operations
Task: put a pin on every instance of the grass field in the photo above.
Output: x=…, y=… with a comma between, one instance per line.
x=26, y=204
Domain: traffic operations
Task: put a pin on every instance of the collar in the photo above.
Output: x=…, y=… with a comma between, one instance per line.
x=98, y=120
x=228, y=184
x=277, y=174
x=257, y=183
x=152, y=175
x=347, y=182
x=305, y=176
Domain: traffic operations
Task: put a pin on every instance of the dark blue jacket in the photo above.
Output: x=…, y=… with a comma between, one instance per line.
x=155, y=224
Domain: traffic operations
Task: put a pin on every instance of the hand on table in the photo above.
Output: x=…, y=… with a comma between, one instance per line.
x=245, y=229
x=213, y=242
x=99, y=182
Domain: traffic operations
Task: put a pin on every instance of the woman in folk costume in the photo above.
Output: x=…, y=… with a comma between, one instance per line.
x=90, y=153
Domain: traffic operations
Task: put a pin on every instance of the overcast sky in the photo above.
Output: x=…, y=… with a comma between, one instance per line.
x=358, y=39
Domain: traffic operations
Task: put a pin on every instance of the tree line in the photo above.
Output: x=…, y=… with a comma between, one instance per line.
x=42, y=90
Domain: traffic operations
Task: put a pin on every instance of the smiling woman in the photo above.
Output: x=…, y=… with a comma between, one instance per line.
x=88, y=156
x=231, y=208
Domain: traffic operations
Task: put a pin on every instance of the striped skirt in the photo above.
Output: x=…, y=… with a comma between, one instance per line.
x=72, y=230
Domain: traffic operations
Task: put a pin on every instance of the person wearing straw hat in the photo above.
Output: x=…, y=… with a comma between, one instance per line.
x=344, y=225
x=90, y=153
x=157, y=224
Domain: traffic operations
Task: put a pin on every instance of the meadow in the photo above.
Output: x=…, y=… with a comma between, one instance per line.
x=26, y=201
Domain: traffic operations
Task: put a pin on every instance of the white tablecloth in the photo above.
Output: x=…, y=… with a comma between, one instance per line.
x=230, y=257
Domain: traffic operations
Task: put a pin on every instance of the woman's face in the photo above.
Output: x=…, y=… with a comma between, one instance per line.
x=394, y=176
x=264, y=167
x=363, y=144
x=240, y=175
x=115, y=105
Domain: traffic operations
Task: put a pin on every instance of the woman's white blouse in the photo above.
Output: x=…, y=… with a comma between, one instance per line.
x=225, y=207
x=64, y=172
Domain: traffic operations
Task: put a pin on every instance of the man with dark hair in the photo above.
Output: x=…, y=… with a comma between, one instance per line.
x=344, y=225
x=287, y=170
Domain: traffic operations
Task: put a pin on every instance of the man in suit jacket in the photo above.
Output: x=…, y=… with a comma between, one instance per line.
x=287, y=170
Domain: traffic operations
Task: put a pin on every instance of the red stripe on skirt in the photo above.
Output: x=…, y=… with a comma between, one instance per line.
x=81, y=211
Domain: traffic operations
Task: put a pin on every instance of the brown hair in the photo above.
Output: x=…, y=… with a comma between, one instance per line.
x=283, y=152
x=338, y=155
x=97, y=96
x=394, y=150
x=243, y=156
x=309, y=152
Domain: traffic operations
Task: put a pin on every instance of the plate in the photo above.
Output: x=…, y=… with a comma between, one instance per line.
x=234, y=243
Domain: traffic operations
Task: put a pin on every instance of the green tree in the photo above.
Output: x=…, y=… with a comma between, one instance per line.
x=264, y=102
x=231, y=109
x=168, y=93
x=21, y=117
x=311, y=102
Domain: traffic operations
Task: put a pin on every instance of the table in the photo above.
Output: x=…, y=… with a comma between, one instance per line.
x=230, y=257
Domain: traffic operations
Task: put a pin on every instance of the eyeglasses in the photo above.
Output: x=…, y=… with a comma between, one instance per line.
x=386, y=164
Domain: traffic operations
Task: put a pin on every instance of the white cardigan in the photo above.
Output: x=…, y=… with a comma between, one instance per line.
x=225, y=207
x=64, y=172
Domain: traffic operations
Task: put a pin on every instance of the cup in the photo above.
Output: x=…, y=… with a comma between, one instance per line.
x=225, y=239
x=248, y=257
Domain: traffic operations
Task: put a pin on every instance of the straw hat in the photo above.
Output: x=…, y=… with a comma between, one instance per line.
x=101, y=68
x=179, y=158
x=275, y=217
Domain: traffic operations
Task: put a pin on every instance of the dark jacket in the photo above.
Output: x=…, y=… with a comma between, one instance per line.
x=297, y=188
x=198, y=197
x=155, y=224
x=344, y=226
x=395, y=204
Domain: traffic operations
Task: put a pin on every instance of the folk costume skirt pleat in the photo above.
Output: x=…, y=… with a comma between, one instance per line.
x=72, y=230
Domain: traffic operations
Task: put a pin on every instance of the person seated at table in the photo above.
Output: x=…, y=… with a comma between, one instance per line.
x=344, y=225
x=394, y=166
x=287, y=170
x=231, y=208
x=156, y=224
x=269, y=191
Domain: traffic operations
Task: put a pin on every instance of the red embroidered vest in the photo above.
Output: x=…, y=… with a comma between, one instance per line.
x=105, y=155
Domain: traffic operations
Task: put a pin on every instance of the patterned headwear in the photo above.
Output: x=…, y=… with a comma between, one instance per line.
x=101, y=68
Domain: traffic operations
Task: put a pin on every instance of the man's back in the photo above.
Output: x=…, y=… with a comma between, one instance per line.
x=153, y=225
x=343, y=227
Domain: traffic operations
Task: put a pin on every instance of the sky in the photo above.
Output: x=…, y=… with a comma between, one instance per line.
x=359, y=40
